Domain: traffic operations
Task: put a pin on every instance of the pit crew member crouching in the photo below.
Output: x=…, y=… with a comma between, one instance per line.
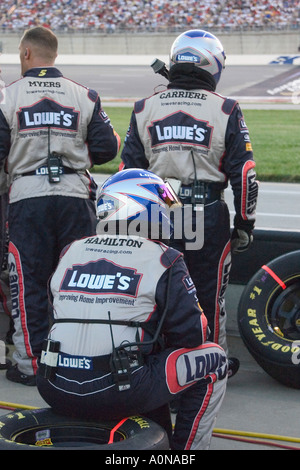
x=128, y=332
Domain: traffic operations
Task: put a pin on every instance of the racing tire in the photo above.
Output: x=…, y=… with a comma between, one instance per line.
x=42, y=429
x=269, y=318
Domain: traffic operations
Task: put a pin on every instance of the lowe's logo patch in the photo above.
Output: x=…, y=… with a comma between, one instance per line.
x=47, y=113
x=187, y=57
x=101, y=277
x=180, y=128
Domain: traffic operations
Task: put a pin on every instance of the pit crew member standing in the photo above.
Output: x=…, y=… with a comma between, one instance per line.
x=190, y=133
x=52, y=130
x=104, y=358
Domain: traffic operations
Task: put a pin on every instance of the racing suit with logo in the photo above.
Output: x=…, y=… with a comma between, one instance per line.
x=45, y=114
x=190, y=133
x=111, y=278
x=5, y=305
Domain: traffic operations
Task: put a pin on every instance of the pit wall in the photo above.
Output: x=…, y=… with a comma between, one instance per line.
x=260, y=42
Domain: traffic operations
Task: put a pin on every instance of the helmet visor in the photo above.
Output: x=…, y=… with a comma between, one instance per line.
x=168, y=195
x=107, y=206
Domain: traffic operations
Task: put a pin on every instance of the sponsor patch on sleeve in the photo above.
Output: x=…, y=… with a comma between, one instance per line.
x=188, y=283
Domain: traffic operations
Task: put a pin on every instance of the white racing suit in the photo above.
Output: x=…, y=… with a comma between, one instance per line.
x=45, y=113
x=111, y=278
x=196, y=135
x=5, y=304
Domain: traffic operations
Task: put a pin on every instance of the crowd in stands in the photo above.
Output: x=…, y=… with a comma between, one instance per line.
x=109, y=16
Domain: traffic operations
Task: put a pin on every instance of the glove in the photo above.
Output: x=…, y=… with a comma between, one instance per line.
x=240, y=240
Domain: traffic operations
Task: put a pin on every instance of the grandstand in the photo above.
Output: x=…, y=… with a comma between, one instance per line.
x=141, y=16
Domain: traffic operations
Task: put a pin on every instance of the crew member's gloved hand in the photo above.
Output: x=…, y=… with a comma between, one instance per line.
x=240, y=240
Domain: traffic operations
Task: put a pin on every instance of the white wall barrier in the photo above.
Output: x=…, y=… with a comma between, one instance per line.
x=255, y=42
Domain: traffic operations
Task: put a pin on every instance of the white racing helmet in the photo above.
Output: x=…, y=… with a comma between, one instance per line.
x=136, y=202
x=200, y=48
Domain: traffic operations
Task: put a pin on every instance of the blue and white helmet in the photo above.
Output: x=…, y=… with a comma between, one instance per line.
x=200, y=48
x=136, y=202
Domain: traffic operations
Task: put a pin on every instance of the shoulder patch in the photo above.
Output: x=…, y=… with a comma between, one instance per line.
x=188, y=283
x=139, y=105
x=93, y=95
x=169, y=257
x=228, y=105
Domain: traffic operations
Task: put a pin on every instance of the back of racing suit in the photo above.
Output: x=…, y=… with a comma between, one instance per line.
x=111, y=278
x=45, y=114
x=194, y=135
